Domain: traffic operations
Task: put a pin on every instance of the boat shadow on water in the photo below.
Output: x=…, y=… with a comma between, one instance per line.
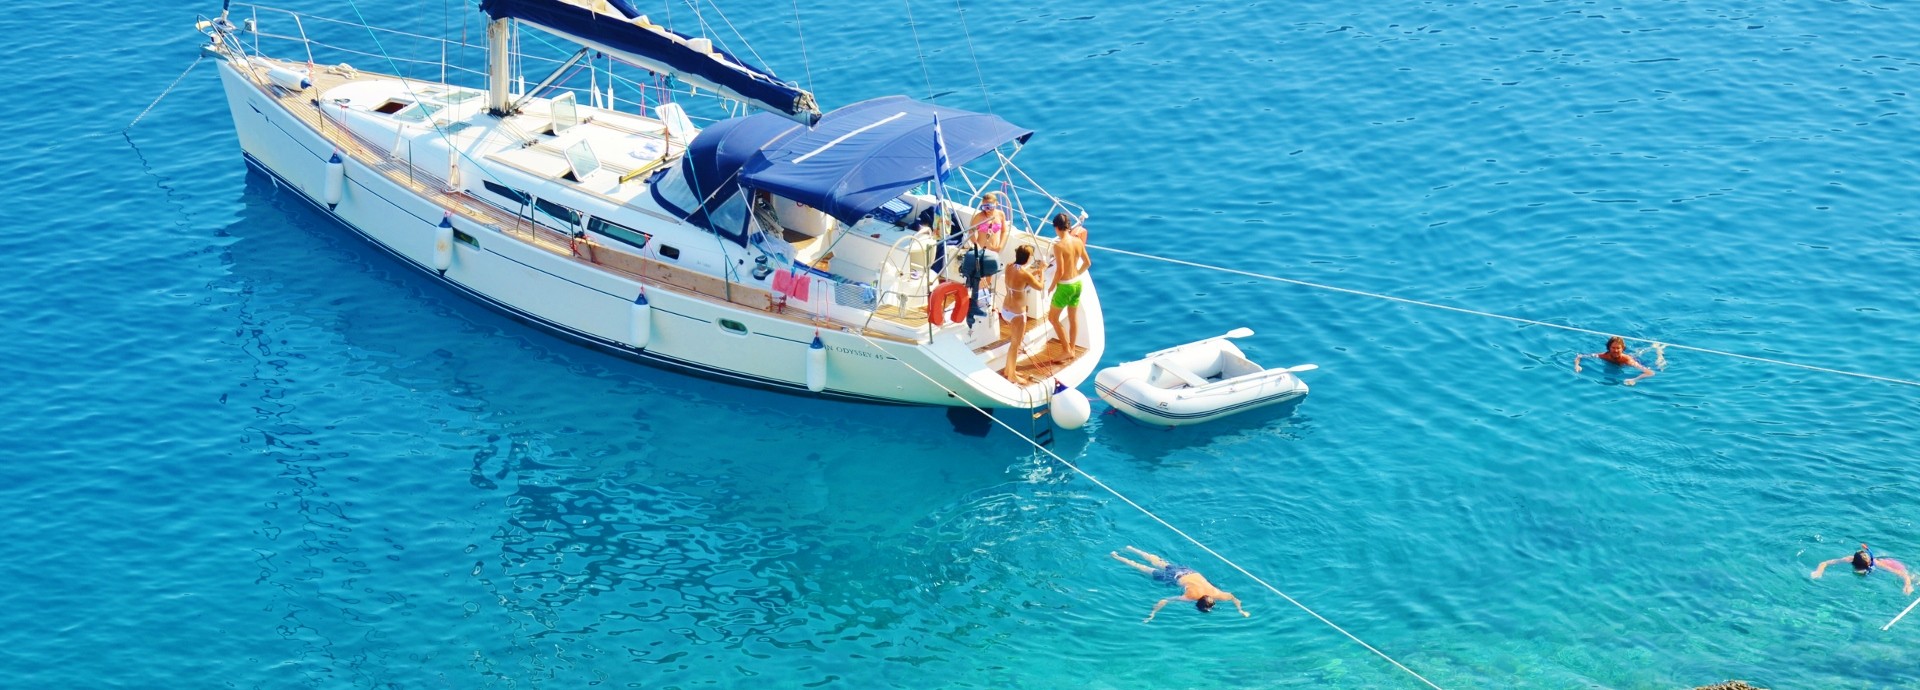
x=1155, y=443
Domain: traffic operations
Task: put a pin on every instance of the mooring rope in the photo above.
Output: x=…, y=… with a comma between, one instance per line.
x=1504, y=317
x=1156, y=518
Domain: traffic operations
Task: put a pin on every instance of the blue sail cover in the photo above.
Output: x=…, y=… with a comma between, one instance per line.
x=863, y=155
x=658, y=49
x=708, y=170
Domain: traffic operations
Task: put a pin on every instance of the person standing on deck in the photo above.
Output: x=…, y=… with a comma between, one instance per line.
x=1021, y=279
x=989, y=227
x=1069, y=267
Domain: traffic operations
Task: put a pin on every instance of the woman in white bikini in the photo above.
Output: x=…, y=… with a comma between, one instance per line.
x=1021, y=278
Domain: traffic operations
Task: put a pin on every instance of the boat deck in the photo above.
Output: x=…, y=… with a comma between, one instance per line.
x=602, y=256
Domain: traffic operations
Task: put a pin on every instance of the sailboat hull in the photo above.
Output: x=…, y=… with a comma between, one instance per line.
x=688, y=333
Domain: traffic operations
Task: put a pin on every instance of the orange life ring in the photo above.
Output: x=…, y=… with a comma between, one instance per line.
x=937, y=301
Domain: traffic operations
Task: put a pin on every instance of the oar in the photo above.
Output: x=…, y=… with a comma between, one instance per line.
x=1903, y=614
x=1301, y=368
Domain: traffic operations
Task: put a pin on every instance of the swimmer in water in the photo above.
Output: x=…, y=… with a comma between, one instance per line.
x=1195, y=586
x=1616, y=354
x=1864, y=563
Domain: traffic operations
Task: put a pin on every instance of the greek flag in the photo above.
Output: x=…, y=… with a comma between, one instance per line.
x=940, y=170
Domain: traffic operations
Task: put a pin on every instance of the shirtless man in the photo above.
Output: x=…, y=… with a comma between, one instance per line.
x=1070, y=265
x=1197, y=589
x=1021, y=278
x=1616, y=354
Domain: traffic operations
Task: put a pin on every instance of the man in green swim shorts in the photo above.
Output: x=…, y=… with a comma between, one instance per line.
x=1070, y=263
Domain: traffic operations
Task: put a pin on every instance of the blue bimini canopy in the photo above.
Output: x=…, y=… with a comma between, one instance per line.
x=701, y=188
x=863, y=155
x=656, y=48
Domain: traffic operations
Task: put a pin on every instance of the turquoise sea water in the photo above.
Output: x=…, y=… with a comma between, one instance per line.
x=245, y=449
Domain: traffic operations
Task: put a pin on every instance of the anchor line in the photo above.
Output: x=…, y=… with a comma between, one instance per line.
x=163, y=94
x=1150, y=514
x=1504, y=317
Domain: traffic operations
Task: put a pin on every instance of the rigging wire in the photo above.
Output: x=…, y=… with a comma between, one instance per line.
x=1504, y=317
x=804, y=62
x=760, y=61
x=1150, y=514
x=984, y=96
x=917, y=52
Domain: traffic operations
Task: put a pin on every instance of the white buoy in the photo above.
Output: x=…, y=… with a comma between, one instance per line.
x=640, y=329
x=1070, y=407
x=443, y=244
x=294, y=80
x=336, y=183
x=817, y=364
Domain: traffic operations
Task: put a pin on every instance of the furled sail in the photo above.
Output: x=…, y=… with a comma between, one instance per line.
x=617, y=30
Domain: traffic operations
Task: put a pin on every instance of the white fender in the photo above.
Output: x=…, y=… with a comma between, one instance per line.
x=443, y=244
x=336, y=183
x=1070, y=407
x=640, y=328
x=817, y=365
x=294, y=80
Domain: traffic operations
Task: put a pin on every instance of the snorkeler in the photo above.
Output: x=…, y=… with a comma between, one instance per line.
x=1864, y=563
x=1197, y=589
x=1616, y=354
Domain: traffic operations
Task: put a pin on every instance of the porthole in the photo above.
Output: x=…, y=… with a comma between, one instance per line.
x=465, y=239
x=732, y=326
x=670, y=252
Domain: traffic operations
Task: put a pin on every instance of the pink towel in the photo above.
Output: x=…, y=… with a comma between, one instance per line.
x=793, y=285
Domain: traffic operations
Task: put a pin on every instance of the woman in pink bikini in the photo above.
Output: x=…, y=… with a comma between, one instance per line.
x=990, y=223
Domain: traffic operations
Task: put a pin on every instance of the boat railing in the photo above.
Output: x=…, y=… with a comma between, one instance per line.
x=421, y=54
x=1018, y=186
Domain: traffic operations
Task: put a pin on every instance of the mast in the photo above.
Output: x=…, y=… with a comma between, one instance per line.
x=499, y=65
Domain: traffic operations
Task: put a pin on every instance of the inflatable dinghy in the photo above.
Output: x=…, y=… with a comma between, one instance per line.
x=1197, y=382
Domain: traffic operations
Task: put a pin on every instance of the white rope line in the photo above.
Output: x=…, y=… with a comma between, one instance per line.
x=1903, y=614
x=1504, y=317
x=1150, y=514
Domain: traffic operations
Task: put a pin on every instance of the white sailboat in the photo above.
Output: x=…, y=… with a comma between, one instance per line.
x=777, y=249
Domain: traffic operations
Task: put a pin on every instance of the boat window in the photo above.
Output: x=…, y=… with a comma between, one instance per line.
x=566, y=114
x=392, y=106
x=674, y=190
x=731, y=216
x=734, y=327
x=419, y=112
x=580, y=157
x=560, y=213
x=670, y=252
x=465, y=239
x=619, y=232
x=510, y=194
